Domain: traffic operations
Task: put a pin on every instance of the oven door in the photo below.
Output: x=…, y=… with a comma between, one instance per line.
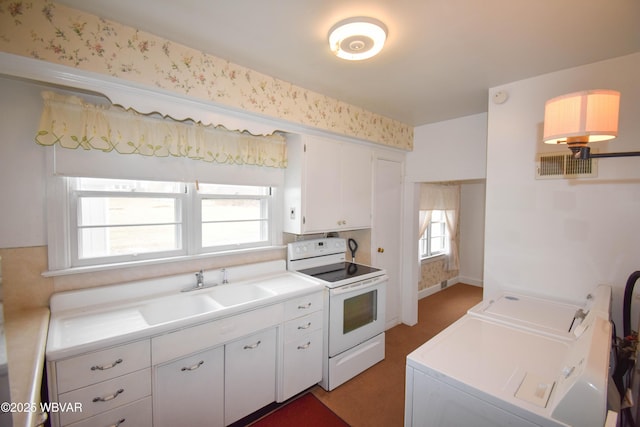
x=356, y=313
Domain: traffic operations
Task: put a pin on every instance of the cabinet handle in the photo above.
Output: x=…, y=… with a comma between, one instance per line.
x=304, y=306
x=120, y=421
x=108, y=398
x=194, y=367
x=304, y=347
x=307, y=326
x=105, y=367
x=252, y=346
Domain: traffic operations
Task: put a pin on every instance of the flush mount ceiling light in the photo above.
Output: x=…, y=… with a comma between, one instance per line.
x=357, y=38
x=579, y=118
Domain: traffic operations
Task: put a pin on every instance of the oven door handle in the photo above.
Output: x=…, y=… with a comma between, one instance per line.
x=358, y=286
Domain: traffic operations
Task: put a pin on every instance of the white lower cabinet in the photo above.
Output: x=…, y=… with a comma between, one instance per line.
x=250, y=374
x=303, y=364
x=189, y=391
x=209, y=374
x=102, y=386
x=136, y=414
x=302, y=353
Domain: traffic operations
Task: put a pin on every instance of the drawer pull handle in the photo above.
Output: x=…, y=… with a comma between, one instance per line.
x=304, y=347
x=194, y=367
x=305, y=306
x=105, y=367
x=120, y=421
x=307, y=326
x=108, y=398
x=252, y=346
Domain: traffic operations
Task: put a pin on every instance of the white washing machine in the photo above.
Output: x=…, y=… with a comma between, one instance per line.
x=542, y=315
x=486, y=372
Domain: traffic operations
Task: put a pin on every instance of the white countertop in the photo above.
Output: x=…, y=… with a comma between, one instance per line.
x=90, y=319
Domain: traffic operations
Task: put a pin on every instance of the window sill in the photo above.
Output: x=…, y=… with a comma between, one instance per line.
x=432, y=258
x=150, y=262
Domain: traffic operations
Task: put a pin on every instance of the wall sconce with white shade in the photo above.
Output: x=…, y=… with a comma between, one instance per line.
x=358, y=38
x=579, y=118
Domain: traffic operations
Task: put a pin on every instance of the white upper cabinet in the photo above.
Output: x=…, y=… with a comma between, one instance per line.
x=328, y=185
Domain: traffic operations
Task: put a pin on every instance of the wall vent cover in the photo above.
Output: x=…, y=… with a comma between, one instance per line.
x=563, y=165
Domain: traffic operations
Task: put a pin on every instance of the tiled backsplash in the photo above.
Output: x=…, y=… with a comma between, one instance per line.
x=26, y=287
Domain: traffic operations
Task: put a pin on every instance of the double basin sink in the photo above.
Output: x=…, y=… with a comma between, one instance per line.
x=200, y=301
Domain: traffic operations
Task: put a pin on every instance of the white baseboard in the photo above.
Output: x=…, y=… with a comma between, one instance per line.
x=437, y=288
x=471, y=281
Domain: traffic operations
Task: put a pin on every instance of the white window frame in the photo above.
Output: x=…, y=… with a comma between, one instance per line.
x=62, y=209
x=424, y=245
x=182, y=207
x=268, y=212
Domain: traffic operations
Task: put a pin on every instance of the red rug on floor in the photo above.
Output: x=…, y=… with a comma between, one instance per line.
x=305, y=411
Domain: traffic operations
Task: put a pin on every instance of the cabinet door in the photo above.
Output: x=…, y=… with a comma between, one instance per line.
x=302, y=364
x=190, y=391
x=250, y=374
x=356, y=187
x=322, y=189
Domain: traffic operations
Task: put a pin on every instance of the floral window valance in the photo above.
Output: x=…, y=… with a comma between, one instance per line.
x=71, y=122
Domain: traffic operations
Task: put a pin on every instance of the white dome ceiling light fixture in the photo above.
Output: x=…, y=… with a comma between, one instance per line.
x=357, y=38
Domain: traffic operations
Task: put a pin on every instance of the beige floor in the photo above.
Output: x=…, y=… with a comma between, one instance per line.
x=376, y=397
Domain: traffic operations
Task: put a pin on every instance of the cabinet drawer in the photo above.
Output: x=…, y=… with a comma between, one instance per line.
x=302, y=364
x=197, y=338
x=303, y=305
x=91, y=368
x=106, y=395
x=136, y=414
x=296, y=328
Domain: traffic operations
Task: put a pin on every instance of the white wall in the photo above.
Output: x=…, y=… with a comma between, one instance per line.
x=472, y=207
x=562, y=237
x=452, y=150
x=22, y=166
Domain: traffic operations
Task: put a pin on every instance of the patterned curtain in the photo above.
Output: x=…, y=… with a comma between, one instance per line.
x=71, y=122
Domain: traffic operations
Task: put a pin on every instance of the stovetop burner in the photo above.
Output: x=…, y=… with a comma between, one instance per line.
x=339, y=271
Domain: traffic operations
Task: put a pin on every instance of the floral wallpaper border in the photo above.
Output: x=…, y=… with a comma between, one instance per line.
x=52, y=32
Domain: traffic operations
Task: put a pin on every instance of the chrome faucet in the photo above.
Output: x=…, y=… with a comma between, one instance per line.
x=224, y=276
x=199, y=283
x=199, y=279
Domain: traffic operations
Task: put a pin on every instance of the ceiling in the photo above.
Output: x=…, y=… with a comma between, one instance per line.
x=440, y=59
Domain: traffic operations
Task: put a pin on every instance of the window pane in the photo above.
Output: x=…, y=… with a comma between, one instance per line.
x=94, y=211
x=233, y=190
x=437, y=244
x=111, y=241
x=233, y=233
x=231, y=209
x=126, y=185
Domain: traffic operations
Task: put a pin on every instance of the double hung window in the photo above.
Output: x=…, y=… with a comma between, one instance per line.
x=115, y=220
x=435, y=239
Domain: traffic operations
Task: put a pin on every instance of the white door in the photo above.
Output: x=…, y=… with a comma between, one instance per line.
x=387, y=214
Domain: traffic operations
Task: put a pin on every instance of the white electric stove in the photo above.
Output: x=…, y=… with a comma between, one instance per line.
x=354, y=307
